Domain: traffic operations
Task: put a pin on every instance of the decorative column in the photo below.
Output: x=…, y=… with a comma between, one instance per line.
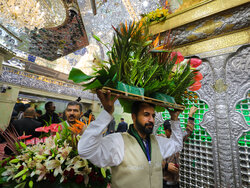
x=226, y=82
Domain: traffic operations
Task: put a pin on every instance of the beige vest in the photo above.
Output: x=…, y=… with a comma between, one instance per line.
x=135, y=170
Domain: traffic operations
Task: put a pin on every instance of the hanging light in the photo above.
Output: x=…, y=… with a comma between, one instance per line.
x=32, y=13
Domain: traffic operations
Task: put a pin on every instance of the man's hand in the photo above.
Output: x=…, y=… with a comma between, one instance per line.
x=172, y=168
x=193, y=109
x=107, y=102
x=174, y=114
x=190, y=128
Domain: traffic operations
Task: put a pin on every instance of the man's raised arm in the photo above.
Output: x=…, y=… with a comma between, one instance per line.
x=102, y=151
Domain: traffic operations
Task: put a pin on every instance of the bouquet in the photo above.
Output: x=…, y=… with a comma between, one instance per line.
x=52, y=161
x=137, y=60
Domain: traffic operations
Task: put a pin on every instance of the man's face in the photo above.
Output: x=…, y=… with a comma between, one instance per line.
x=51, y=108
x=145, y=119
x=72, y=113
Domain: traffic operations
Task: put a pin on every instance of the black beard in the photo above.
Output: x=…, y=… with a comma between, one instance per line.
x=144, y=129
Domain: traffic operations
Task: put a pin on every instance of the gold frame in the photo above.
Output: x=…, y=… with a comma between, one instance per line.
x=201, y=10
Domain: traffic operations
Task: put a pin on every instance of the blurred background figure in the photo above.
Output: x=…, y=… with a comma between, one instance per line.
x=50, y=116
x=122, y=126
x=28, y=124
x=38, y=114
x=111, y=127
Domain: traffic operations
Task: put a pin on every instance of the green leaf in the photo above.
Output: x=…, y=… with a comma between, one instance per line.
x=58, y=135
x=21, y=173
x=14, y=161
x=103, y=172
x=24, y=177
x=147, y=43
x=17, y=145
x=78, y=76
x=96, y=38
x=30, y=184
x=21, y=185
x=23, y=145
x=93, y=85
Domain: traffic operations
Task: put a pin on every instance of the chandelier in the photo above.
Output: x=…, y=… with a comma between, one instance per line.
x=32, y=14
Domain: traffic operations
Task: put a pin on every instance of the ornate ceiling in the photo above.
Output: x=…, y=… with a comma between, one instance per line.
x=71, y=44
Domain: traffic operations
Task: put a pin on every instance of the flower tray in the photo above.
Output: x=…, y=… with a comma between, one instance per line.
x=134, y=97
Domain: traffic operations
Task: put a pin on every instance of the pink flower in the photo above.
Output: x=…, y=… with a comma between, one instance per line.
x=194, y=62
x=179, y=59
x=198, y=76
x=30, y=141
x=24, y=137
x=42, y=129
x=196, y=86
x=54, y=127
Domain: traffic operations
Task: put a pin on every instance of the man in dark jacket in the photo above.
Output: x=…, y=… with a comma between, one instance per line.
x=50, y=116
x=122, y=126
x=28, y=124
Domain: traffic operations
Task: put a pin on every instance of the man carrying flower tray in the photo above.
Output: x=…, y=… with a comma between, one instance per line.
x=135, y=157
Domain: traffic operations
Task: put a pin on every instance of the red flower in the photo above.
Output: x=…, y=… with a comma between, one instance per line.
x=79, y=179
x=51, y=177
x=198, y=76
x=194, y=62
x=30, y=141
x=4, y=163
x=66, y=173
x=20, y=168
x=71, y=173
x=54, y=127
x=42, y=129
x=196, y=86
x=24, y=137
x=179, y=59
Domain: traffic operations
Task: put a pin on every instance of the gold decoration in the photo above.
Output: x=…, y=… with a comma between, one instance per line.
x=203, y=9
x=208, y=27
x=32, y=13
x=220, y=42
x=220, y=86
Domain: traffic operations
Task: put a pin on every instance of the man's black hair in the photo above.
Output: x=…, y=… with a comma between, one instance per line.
x=73, y=103
x=122, y=118
x=86, y=114
x=47, y=104
x=39, y=112
x=167, y=125
x=137, y=106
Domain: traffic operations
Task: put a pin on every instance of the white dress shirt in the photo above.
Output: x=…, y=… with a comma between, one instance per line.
x=109, y=150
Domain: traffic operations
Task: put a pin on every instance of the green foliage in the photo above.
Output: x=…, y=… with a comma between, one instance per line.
x=135, y=60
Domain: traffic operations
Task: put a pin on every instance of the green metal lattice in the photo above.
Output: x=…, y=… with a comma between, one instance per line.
x=244, y=142
x=196, y=159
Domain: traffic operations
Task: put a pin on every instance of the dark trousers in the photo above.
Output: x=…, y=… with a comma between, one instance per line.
x=165, y=185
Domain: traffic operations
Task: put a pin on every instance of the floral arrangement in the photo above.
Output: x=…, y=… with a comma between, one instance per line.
x=53, y=161
x=156, y=16
x=137, y=60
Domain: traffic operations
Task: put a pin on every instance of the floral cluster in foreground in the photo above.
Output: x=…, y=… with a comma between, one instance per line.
x=54, y=160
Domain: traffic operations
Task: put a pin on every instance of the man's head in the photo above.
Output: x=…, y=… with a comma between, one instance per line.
x=30, y=113
x=73, y=111
x=50, y=107
x=122, y=119
x=87, y=114
x=39, y=113
x=143, y=115
x=167, y=128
